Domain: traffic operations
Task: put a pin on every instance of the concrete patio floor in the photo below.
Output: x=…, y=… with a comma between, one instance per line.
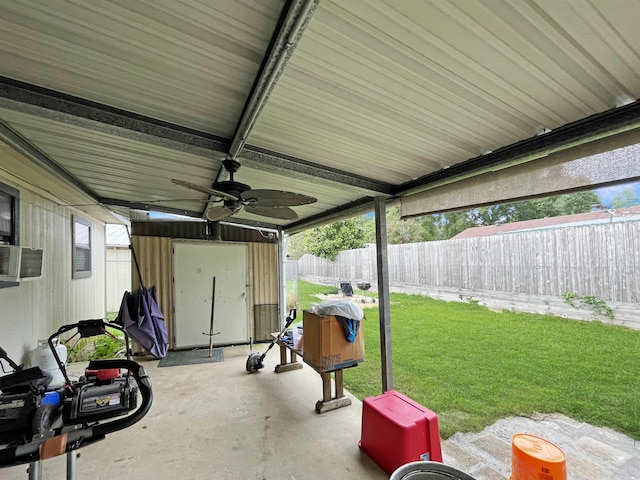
x=215, y=421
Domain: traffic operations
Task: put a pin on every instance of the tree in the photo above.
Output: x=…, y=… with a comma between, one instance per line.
x=432, y=227
x=578, y=202
x=409, y=230
x=455, y=222
x=626, y=198
x=296, y=246
x=328, y=240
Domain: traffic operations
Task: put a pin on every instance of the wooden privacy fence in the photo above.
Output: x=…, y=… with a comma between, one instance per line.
x=602, y=260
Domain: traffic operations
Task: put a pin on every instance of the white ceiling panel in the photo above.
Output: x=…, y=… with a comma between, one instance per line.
x=123, y=169
x=189, y=63
x=398, y=89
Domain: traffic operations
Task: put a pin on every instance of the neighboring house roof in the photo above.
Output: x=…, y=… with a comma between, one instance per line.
x=117, y=236
x=601, y=216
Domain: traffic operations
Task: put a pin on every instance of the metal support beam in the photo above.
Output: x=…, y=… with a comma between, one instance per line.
x=282, y=308
x=603, y=162
x=53, y=105
x=148, y=207
x=63, y=108
x=352, y=209
x=383, y=294
x=240, y=222
x=285, y=39
x=266, y=160
x=596, y=127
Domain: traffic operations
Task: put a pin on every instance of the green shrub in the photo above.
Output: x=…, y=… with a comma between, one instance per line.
x=98, y=347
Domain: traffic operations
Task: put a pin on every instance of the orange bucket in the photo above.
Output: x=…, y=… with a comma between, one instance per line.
x=534, y=458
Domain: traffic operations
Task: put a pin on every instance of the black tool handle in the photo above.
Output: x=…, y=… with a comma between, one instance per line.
x=12, y=364
x=289, y=321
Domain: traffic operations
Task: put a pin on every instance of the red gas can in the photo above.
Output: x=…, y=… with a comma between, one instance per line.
x=396, y=430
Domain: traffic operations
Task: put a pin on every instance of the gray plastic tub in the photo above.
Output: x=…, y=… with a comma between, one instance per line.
x=428, y=471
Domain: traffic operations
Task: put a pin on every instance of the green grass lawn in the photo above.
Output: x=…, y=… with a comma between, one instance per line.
x=473, y=366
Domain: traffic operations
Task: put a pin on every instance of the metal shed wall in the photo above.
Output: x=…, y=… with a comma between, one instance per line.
x=155, y=260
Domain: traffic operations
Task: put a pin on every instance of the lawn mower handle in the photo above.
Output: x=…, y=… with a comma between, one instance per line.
x=86, y=328
x=12, y=364
x=78, y=436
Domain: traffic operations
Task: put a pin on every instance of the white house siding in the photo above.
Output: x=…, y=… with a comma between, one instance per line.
x=35, y=309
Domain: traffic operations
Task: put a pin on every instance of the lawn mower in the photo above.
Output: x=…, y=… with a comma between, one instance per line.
x=73, y=416
x=255, y=360
x=22, y=407
x=101, y=392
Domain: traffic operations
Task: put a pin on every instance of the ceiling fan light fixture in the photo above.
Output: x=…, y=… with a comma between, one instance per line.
x=236, y=196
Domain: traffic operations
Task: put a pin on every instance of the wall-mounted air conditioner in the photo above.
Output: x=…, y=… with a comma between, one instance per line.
x=30, y=263
x=9, y=263
x=20, y=263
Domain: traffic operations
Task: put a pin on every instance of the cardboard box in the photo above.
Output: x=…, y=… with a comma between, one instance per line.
x=325, y=345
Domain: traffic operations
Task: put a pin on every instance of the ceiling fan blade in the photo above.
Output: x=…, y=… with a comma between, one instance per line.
x=216, y=213
x=281, y=213
x=276, y=198
x=210, y=191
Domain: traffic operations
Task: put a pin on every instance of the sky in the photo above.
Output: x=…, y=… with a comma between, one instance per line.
x=607, y=194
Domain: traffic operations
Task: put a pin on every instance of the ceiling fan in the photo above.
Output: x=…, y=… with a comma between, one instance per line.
x=235, y=196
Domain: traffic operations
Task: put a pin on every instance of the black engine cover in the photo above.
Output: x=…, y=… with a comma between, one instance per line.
x=16, y=413
x=93, y=402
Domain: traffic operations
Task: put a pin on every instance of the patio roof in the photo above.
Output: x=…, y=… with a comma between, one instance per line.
x=342, y=101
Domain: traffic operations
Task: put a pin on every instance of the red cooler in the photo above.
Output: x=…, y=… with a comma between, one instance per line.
x=396, y=430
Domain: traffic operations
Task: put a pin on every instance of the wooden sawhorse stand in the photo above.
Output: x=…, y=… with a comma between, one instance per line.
x=286, y=365
x=329, y=400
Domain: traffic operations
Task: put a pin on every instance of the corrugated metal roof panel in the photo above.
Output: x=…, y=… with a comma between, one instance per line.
x=388, y=90
x=124, y=169
x=116, y=167
x=189, y=63
x=396, y=90
x=117, y=236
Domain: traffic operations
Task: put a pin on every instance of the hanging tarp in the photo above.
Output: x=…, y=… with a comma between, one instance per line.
x=143, y=320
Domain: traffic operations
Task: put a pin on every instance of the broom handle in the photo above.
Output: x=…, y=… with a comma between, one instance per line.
x=213, y=304
x=135, y=257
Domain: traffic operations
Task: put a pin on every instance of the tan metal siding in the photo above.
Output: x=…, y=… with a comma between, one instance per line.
x=263, y=267
x=263, y=279
x=155, y=259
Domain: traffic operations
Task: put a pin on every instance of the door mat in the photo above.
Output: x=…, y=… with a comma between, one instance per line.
x=191, y=357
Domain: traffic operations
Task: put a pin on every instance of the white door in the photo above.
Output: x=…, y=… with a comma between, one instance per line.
x=194, y=266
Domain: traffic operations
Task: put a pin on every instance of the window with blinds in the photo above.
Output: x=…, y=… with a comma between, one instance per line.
x=81, y=247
